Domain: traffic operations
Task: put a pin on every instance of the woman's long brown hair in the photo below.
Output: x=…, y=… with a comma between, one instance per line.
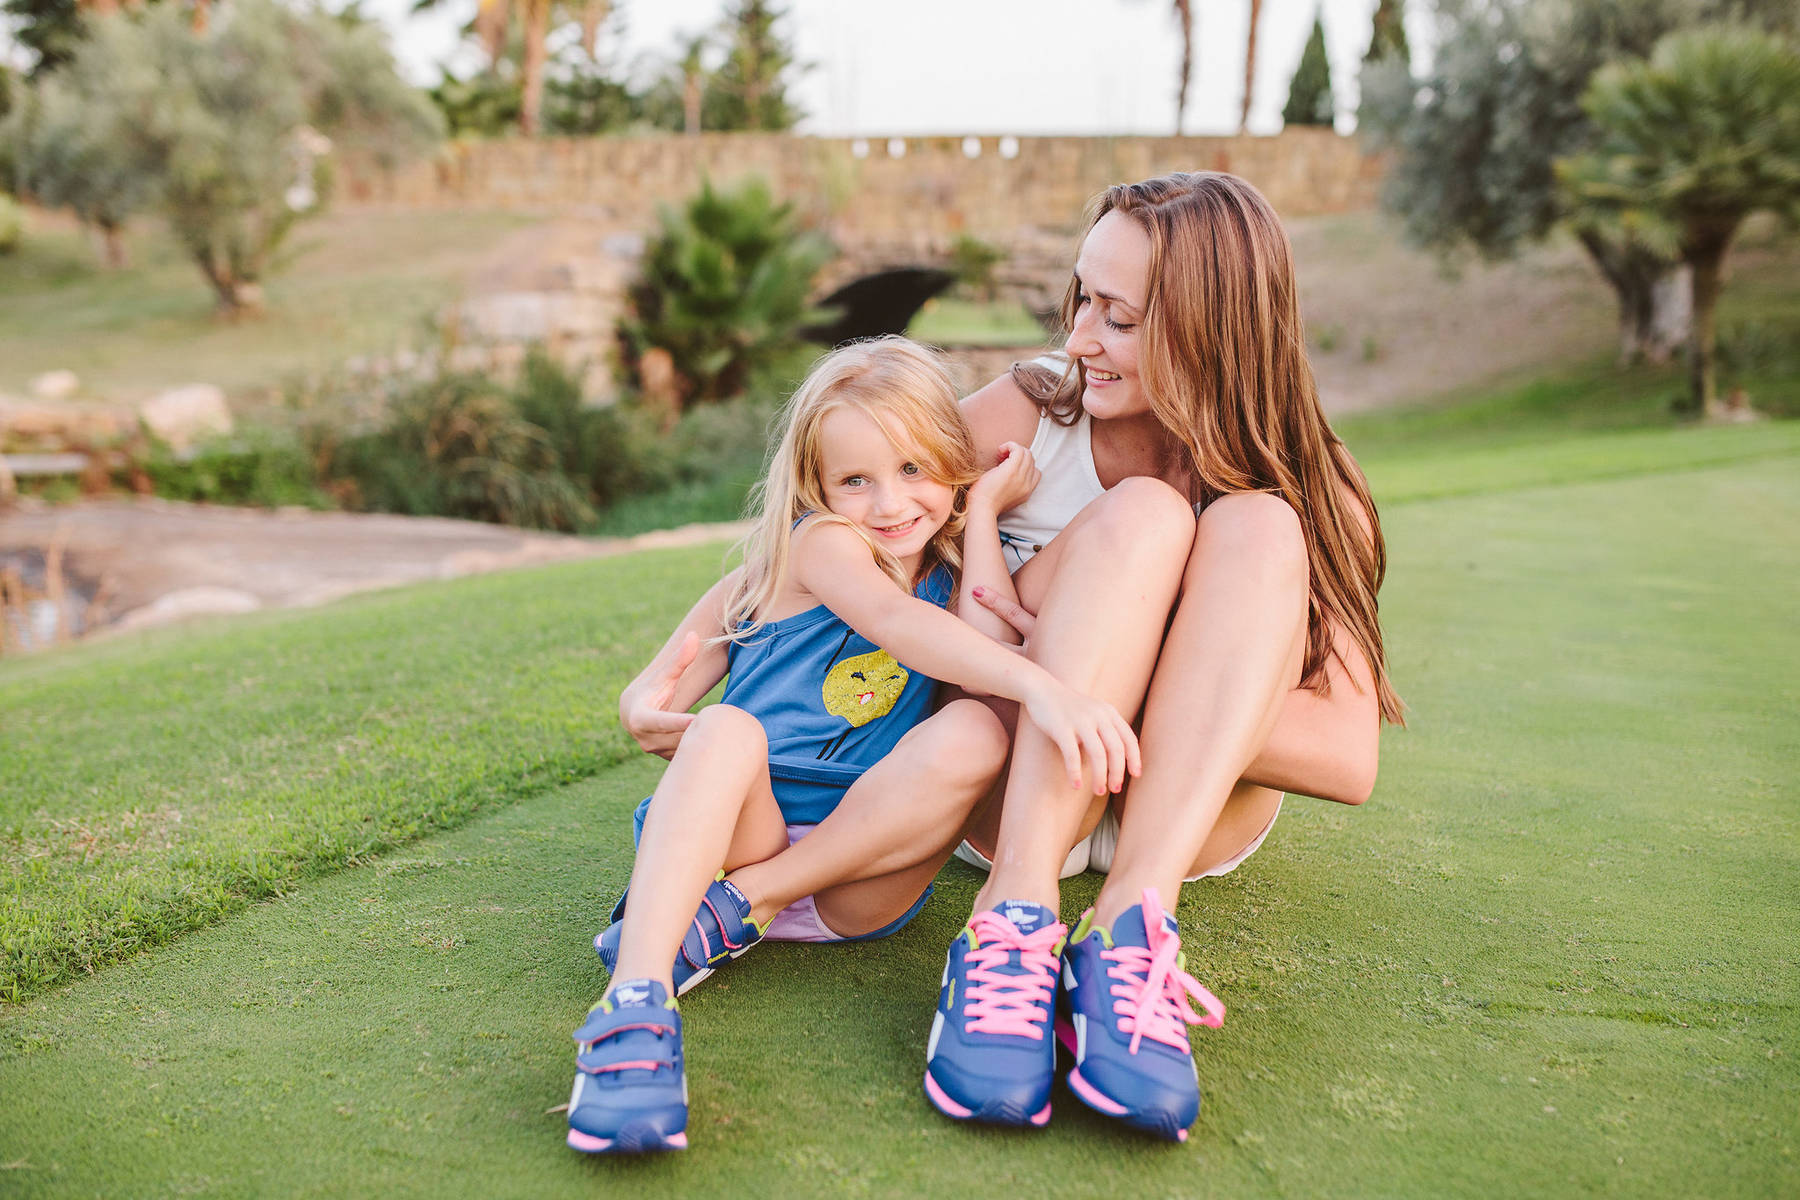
x=1223, y=362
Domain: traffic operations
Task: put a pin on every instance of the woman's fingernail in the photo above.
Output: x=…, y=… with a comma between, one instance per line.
x=980, y=592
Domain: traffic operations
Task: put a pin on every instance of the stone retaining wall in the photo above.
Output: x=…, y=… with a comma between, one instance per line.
x=873, y=188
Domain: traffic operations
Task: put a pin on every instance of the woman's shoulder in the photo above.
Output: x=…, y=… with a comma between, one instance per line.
x=1001, y=412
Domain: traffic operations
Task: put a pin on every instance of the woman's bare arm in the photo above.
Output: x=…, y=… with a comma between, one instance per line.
x=654, y=706
x=1326, y=744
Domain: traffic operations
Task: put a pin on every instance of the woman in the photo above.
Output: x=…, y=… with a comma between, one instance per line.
x=1189, y=392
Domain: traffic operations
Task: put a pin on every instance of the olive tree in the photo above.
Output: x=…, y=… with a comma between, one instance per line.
x=1695, y=139
x=229, y=133
x=1474, y=143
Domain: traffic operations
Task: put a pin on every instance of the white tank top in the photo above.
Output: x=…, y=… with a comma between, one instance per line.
x=1065, y=456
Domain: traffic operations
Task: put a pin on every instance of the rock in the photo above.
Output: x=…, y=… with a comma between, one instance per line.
x=189, y=602
x=184, y=415
x=51, y=429
x=55, y=385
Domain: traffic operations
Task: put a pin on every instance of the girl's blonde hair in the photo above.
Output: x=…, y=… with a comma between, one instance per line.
x=904, y=387
x=1224, y=366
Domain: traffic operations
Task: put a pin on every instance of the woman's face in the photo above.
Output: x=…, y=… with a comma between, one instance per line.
x=1113, y=275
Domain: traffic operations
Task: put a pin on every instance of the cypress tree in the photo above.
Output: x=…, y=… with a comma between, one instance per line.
x=1309, y=95
x=1389, y=37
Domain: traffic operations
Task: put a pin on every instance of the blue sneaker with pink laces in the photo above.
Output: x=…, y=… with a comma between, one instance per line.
x=630, y=1092
x=1123, y=1012
x=992, y=1055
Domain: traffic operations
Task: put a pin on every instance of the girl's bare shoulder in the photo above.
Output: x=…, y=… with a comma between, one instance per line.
x=1001, y=412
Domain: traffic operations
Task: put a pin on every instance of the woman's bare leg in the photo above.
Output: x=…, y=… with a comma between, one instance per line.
x=1232, y=653
x=1099, y=622
x=868, y=861
x=713, y=803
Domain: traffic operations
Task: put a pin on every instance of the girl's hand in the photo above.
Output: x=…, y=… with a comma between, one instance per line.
x=1084, y=728
x=1008, y=610
x=1008, y=483
x=647, y=717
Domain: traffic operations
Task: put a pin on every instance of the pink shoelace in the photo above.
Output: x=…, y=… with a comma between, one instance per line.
x=1150, y=997
x=1011, y=1004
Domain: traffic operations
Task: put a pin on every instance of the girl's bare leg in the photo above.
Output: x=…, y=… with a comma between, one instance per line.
x=1100, y=621
x=713, y=807
x=868, y=861
x=1232, y=653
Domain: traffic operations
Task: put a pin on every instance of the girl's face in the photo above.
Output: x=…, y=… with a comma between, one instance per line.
x=868, y=480
x=1113, y=275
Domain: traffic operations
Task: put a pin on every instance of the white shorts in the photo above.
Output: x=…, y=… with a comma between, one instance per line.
x=1095, y=851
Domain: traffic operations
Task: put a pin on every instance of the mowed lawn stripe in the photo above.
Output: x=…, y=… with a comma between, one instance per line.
x=150, y=785
x=1552, y=954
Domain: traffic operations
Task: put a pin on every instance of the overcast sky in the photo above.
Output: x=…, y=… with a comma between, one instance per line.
x=991, y=66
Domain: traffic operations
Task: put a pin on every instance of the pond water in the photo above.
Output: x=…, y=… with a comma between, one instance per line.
x=38, y=607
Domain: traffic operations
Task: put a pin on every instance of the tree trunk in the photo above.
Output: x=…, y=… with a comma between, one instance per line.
x=593, y=15
x=1653, y=295
x=1704, y=246
x=1184, y=17
x=691, y=95
x=1249, y=67
x=112, y=245
x=537, y=26
x=490, y=29
x=238, y=298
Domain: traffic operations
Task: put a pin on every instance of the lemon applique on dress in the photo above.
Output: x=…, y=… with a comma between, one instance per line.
x=863, y=688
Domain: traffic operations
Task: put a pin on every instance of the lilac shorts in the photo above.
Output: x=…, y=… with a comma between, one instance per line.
x=800, y=921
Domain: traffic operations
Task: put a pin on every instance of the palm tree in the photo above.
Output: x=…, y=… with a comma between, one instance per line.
x=1698, y=138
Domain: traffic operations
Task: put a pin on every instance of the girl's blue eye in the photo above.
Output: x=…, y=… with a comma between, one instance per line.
x=854, y=481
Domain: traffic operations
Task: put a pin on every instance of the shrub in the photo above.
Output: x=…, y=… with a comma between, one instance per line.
x=723, y=291
x=263, y=467
x=456, y=446
x=611, y=452
x=973, y=262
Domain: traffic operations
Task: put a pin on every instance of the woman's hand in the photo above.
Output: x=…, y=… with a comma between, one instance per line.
x=1008, y=483
x=647, y=715
x=1008, y=610
x=1084, y=728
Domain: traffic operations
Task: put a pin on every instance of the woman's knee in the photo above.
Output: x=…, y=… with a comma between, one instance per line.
x=1140, y=510
x=1258, y=532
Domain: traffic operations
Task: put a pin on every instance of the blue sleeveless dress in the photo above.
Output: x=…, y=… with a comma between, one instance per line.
x=831, y=702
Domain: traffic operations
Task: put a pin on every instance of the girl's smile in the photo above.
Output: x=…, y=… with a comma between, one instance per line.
x=869, y=480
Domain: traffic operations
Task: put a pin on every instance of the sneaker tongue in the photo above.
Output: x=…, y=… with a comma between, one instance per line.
x=1129, y=929
x=1026, y=916
x=639, y=993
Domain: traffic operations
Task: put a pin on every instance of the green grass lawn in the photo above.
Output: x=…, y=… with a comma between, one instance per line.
x=1553, y=954
x=352, y=283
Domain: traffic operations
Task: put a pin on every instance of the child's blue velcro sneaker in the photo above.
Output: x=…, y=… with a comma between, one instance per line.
x=630, y=1082
x=1123, y=1012
x=721, y=931
x=991, y=1056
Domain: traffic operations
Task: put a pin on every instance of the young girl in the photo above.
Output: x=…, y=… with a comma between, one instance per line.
x=776, y=817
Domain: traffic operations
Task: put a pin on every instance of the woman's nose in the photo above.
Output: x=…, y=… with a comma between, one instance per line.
x=1081, y=342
